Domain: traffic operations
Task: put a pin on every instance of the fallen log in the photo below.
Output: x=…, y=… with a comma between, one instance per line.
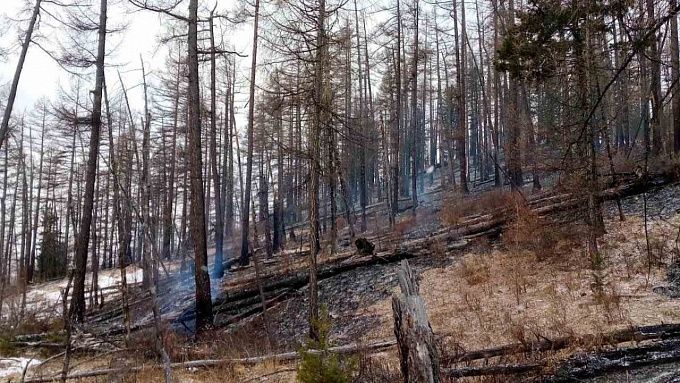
x=467, y=229
x=505, y=369
x=665, y=349
x=208, y=363
x=596, y=364
x=632, y=334
x=544, y=204
x=583, y=366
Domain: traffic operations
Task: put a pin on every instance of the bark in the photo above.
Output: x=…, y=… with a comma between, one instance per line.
x=513, y=149
x=4, y=261
x=36, y=215
x=414, y=111
x=245, y=205
x=121, y=218
x=4, y=127
x=655, y=64
x=77, y=309
x=170, y=197
x=361, y=127
x=397, y=124
x=315, y=131
x=208, y=363
x=204, y=317
x=675, y=78
x=418, y=353
x=218, y=269
x=461, y=59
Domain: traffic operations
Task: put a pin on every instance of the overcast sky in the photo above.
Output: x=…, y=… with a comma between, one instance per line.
x=41, y=76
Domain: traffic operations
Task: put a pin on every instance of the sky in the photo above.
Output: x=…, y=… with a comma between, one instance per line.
x=42, y=77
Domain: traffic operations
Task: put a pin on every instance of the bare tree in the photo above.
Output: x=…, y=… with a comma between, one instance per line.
x=4, y=126
x=77, y=309
x=245, y=206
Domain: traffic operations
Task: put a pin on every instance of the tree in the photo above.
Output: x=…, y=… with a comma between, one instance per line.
x=245, y=219
x=77, y=309
x=219, y=225
x=675, y=78
x=4, y=126
x=320, y=99
x=204, y=313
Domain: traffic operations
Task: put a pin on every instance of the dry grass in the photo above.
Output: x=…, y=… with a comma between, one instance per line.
x=457, y=206
x=527, y=231
x=217, y=345
x=404, y=225
x=502, y=297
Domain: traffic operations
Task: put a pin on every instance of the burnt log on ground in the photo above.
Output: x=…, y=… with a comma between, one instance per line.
x=635, y=334
x=208, y=363
x=591, y=365
x=664, y=348
x=245, y=295
x=504, y=369
x=632, y=334
x=582, y=366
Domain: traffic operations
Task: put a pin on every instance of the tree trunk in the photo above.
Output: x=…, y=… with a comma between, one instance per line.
x=218, y=269
x=249, y=160
x=36, y=215
x=204, y=314
x=655, y=64
x=77, y=309
x=414, y=111
x=675, y=78
x=419, y=357
x=4, y=128
x=320, y=99
x=397, y=124
x=514, y=161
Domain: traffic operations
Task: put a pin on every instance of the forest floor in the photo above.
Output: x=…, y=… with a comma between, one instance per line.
x=535, y=281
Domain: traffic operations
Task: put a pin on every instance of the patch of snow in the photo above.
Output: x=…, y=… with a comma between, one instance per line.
x=12, y=366
x=46, y=298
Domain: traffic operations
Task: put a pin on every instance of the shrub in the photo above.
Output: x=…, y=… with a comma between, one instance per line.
x=7, y=348
x=317, y=363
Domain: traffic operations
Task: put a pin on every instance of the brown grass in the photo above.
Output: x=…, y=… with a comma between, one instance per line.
x=457, y=206
x=405, y=225
x=515, y=295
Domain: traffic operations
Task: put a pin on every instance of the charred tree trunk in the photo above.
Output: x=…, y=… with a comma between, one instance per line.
x=315, y=131
x=204, y=314
x=245, y=205
x=419, y=357
x=77, y=309
x=218, y=269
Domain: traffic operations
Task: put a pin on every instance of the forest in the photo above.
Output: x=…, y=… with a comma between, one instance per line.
x=335, y=191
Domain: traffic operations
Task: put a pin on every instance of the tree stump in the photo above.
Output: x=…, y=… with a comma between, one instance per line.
x=417, y=352
x=364, y=246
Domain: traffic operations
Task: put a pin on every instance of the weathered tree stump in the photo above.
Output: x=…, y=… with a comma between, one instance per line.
x=364, y=246
x=415, y=340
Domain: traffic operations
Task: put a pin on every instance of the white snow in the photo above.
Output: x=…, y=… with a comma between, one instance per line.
x=46, y=298
x=12, y=366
